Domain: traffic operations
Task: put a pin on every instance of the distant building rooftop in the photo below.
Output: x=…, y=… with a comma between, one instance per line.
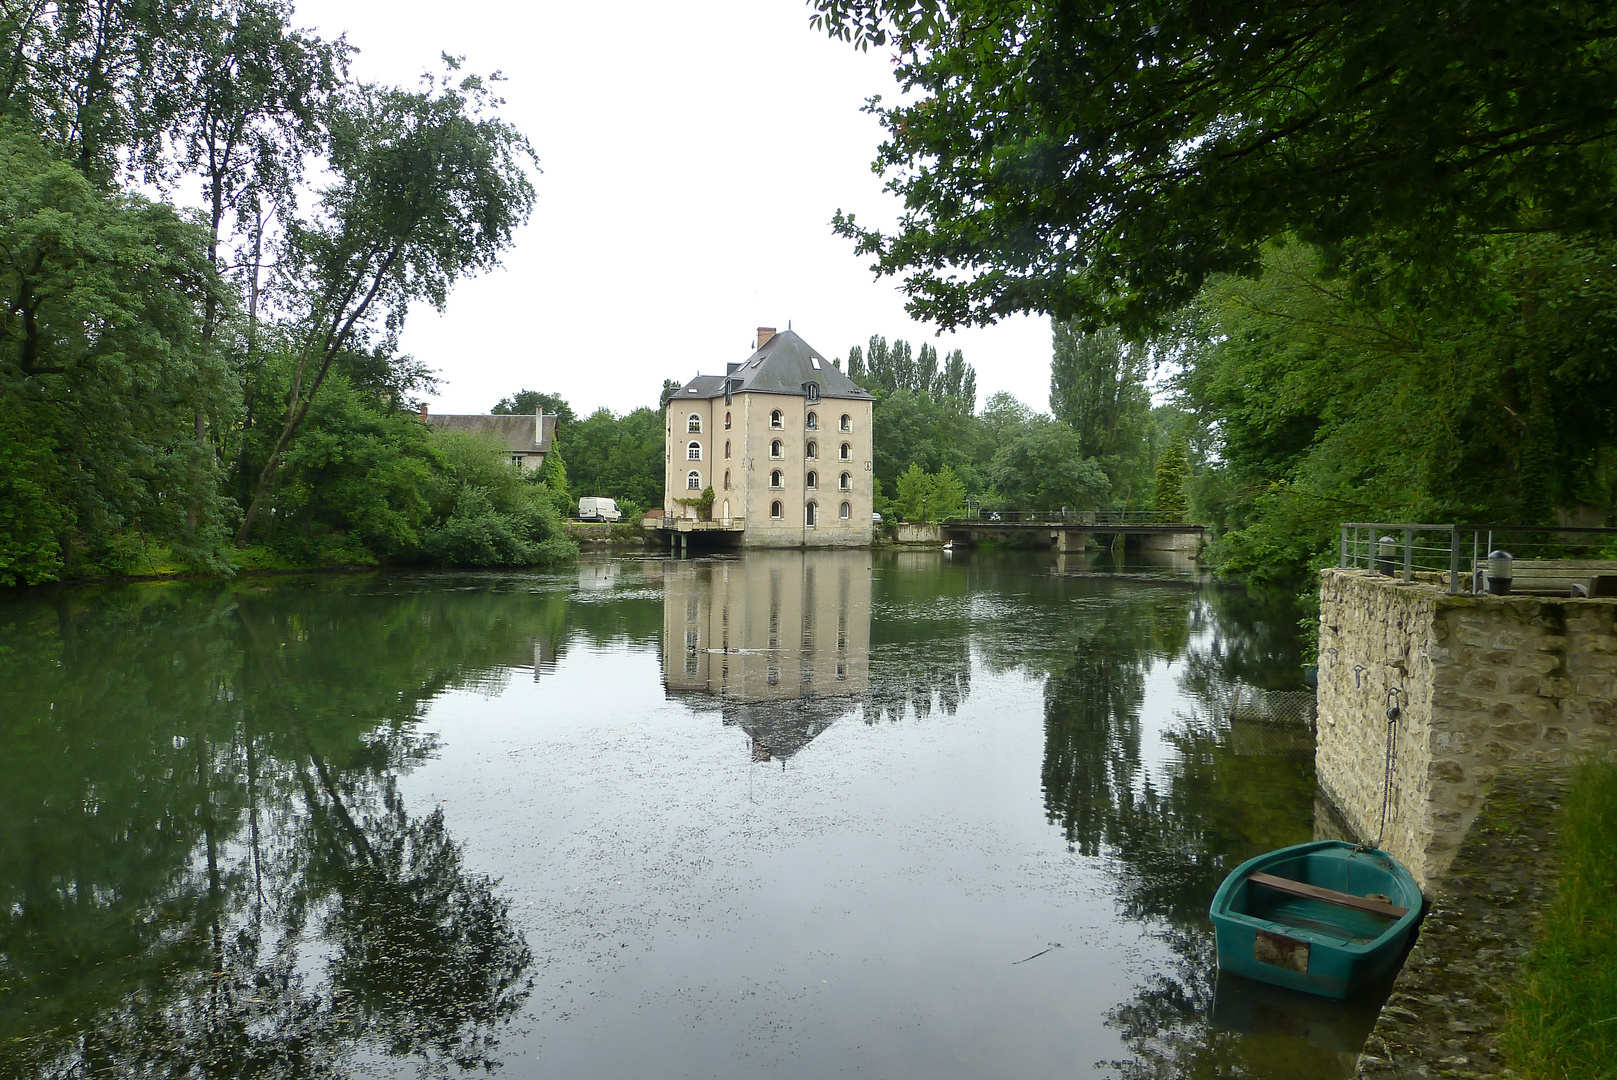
x=524, y=433
x=782, y=364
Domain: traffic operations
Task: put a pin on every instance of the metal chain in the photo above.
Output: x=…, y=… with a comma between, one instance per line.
x=1393, y=713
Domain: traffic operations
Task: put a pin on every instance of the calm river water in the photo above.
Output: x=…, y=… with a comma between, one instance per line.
x=894, y=815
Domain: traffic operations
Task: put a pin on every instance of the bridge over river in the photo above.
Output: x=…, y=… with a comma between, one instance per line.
x=1072, y=530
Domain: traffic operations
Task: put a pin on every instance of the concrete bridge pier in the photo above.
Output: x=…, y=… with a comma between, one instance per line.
x=1066, y=541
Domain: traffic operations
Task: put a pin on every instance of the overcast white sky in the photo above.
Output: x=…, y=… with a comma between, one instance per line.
x=692, y=158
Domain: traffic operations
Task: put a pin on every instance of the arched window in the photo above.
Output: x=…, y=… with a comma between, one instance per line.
x=812, y=480
x=774, y=510
x=726, y=479
x=845, y=482
x=847, y=452
x=812, y=450
x=727, y=449
x=812, y=392
x=774, y=479
x=775, y=419
x=812, y=421
x=810, y=511
x=847, y=422
x=846, y=511
x=693, y=452
x=693, y=422
x=726, y=421
x=776, y=449
x=693, y=480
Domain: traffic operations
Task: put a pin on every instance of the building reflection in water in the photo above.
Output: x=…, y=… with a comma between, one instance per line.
x=778, y=642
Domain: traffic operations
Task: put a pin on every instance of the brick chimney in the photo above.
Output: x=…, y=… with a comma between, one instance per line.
x=423, y=412
x=764, y=334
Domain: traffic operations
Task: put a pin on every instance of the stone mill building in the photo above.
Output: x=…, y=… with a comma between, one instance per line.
x=783, y=438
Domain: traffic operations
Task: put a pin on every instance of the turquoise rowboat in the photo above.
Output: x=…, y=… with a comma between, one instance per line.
x=1327, y=918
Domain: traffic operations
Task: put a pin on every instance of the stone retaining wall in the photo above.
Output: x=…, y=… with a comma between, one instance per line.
x=1481, y=682
x=1448, y=1003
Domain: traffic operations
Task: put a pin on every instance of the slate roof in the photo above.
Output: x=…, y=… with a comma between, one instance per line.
x=518, y=434
x=782, y=366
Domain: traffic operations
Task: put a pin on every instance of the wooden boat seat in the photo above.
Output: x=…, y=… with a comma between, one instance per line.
x=1329, y=896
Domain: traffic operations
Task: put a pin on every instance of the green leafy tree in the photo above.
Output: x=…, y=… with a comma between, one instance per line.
x=1040, y=466
x=1100, y=161
x=428, y=186
x=528, y=402
x=1173, y=472
x=619, y=457
x=102, y=369
x=948, y=496
x=1097, y=387
x=1488, y=402
x=910, y=492
x=553, y=474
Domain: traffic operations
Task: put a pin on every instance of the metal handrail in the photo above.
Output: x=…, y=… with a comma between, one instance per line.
x=1391, y=547
x=1070, y=517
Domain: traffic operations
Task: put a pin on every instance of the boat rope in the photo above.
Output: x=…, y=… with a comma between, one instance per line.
x=1394, y=695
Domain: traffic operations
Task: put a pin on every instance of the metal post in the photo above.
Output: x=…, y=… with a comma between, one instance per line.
x=1454, y=558
x=1409, y=555
x=1342, y=562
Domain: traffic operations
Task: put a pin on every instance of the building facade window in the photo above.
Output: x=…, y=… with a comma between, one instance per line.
x=726, y=421
x=727, y=449
x=776, y=420
x=775, y=510
x=777, y=449
x=693, y=452
x=517, y=460
x=693, y=423
x=774, y=479
x=726, y=479
x=846, y=453
x=810, y=513
x=846, y=511
x=812, y=392
x=845, y=482
x=812, y=480
x=693, y=480
x=812, y=421
x=847, y=422
x=812, y=450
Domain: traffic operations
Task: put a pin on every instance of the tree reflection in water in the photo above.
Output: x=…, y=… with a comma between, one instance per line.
x=224, y=879
x=1175, y=831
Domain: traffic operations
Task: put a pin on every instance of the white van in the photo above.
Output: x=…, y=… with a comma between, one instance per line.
x=595, y=508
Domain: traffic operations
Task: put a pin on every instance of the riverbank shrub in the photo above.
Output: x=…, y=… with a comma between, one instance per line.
x=1563, y=1016
x=487, y=513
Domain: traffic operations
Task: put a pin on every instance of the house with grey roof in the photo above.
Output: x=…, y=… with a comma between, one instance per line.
x=784, y=440
x=525, y=438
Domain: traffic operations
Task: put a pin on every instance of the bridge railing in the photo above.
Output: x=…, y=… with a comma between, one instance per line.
x=1091, y=518
x=1403, y=549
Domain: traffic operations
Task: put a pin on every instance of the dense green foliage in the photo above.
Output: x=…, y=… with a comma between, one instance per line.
x=1173, y=472
x=1098, y=451
x=1490, y=400
x=168, y=376
x=1560, y=1024
x=1373, y=242
x=526, y=402
x=620, y=457
x=1103, y=161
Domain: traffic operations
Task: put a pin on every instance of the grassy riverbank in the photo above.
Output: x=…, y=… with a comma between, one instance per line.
x=1563, y=1022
